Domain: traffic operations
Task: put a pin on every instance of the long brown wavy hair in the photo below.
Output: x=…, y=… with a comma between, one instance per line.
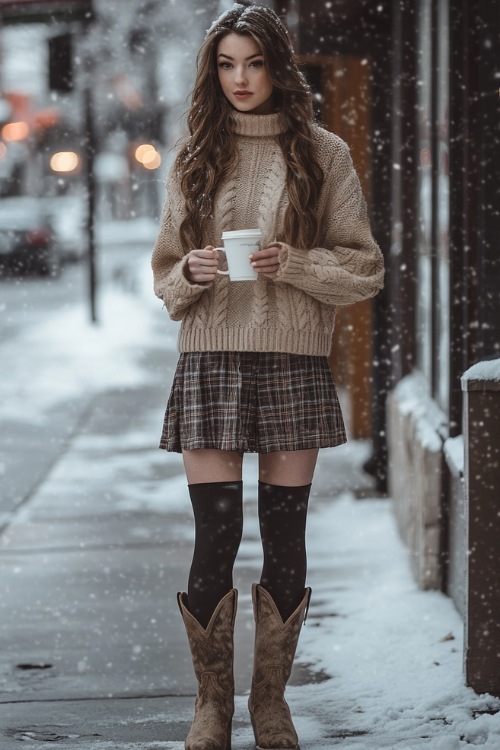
x=210, y=154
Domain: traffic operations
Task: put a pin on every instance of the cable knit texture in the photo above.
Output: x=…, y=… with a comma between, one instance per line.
x=292, y=310
x=212, y=653
x=275, y=646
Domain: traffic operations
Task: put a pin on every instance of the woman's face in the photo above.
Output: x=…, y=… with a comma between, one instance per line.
x=243, y=77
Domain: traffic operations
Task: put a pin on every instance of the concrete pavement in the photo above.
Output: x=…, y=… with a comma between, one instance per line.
x=92, y=648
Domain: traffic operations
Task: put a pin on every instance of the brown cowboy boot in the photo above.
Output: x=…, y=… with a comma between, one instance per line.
x=275, y=646
x=212, y=652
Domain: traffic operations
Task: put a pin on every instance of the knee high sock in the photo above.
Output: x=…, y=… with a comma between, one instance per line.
x=218, y=517
x=282, y=519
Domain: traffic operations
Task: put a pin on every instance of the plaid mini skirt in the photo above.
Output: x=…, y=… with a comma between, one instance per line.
x=255, y=402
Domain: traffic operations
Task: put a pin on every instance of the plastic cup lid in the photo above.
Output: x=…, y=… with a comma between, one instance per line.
x=239, y=233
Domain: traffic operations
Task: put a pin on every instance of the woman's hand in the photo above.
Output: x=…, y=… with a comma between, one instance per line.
x=202, y=265
x=266, y=261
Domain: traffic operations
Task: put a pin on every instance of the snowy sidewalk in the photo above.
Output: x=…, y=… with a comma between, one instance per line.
x=92, y=651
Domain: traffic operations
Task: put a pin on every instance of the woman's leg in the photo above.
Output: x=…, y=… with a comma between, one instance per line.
x=207, y=465
x=216, y=490
x=288, y=468
x=284, y=485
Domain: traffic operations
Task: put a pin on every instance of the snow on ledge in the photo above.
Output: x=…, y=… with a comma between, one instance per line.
x=455, y=455
x=482, y=376
x=413, y=398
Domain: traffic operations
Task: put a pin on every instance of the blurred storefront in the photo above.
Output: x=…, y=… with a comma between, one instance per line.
x=413, y=86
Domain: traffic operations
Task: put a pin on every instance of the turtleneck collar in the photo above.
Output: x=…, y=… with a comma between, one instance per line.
x=257, y=125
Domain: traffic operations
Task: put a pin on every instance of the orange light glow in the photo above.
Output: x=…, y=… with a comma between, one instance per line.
x=64, y=161
x=152, y=161
x=142, y=151
x=148, y=156
x=15, y=131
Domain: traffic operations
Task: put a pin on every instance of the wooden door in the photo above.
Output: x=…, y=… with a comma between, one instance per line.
x=342, y=86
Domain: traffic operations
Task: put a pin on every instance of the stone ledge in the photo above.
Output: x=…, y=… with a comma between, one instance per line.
x=415, y=424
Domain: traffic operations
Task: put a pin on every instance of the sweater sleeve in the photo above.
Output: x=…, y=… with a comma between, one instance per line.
x=349, y=265
x=169, y=260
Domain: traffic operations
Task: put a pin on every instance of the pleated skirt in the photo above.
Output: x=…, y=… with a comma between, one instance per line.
x=254, y=402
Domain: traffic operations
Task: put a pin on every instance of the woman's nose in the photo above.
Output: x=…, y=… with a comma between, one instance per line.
x=240, y=76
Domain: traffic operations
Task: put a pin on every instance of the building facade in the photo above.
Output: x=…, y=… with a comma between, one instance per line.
x=429, y=103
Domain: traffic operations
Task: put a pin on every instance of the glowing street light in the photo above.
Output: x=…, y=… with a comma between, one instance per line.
x=148, y=156
x=15, y=131
x=64, y=161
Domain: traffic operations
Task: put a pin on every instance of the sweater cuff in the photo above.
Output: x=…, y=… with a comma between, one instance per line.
x=185, y=289
x=292, y=264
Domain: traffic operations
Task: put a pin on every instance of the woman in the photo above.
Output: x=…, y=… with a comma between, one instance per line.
x=253, y=374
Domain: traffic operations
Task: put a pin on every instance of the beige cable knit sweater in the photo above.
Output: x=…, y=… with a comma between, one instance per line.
x=294, y=309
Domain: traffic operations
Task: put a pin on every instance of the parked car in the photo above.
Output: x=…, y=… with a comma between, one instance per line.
x=28, y=241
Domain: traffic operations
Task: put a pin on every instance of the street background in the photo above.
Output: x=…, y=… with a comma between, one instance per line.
x=97, y=537
x=95, y=526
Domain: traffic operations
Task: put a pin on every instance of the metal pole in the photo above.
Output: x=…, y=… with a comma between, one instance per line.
x=90, y=148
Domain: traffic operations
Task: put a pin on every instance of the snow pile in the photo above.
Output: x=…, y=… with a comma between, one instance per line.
x=390, y=654
x=67, y=357
x=455, y=453
x=412, y=396
x=487, y=370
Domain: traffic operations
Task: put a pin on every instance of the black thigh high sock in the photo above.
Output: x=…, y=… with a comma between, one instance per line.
x=282, y=518
x=218, y=518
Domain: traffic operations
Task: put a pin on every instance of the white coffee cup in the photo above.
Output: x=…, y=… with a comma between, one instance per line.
x=238, y=245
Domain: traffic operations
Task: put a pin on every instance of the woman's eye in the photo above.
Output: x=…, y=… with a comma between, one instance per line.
x=225, y=65
x=257, y=63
